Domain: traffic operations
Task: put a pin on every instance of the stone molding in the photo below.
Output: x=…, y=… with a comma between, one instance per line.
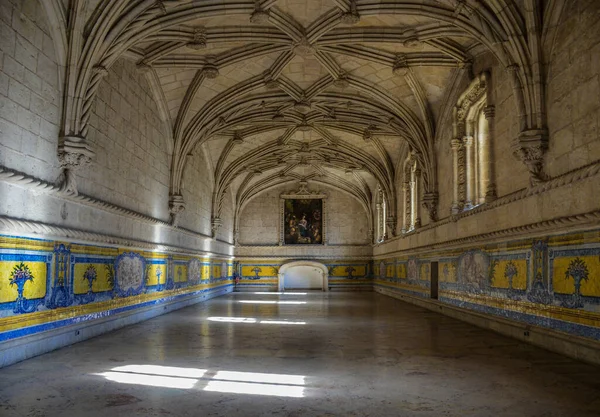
x=21, y=227
x=591, y=218
x=567, y=178
x=27, y=181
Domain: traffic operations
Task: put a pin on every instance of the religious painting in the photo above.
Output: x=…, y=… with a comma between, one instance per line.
x=303, y=221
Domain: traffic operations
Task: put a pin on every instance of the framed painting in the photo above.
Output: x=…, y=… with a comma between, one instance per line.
x=303, y=218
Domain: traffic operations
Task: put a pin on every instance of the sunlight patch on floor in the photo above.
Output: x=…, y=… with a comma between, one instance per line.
x=233, y=382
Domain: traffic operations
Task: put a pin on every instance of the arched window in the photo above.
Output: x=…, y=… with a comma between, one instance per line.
x=472, y=147
x=410, y=187
x=381, y=215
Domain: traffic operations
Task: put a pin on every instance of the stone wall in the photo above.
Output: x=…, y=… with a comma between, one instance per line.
x=197, y=189
x=131, y=167
x=60, y=253
x=573, y=73
x=347, y=222
x=30, y=96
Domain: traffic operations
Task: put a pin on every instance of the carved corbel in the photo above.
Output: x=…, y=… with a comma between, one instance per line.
x=400, y=65
x=351, y=17
x=198, y=41
x=215, y=225
x=210, y=70
x=176, y=207
x=270, y=82
x=73, y=154
x=430, y=202
x=530, y=147
x=259, y=15
x=390, y=222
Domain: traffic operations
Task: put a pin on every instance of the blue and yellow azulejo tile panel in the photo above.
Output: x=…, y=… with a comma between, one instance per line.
x=44, y=282
x=265, y=272
x=551, y=282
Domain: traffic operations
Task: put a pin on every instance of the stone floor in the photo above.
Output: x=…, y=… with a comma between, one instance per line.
x=315, y=354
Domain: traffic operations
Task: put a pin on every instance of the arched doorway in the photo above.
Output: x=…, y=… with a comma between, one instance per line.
x=306, y=275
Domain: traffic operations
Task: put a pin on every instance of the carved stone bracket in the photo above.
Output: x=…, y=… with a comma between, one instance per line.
x=530, y=147
x=176, y=207
x=390, y=222
x=215, y=225
x=351, y=17
x=73, y=154
x=430, y=202
x=259, y=15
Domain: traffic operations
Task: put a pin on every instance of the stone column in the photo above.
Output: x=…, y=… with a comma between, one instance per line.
x=470, y=171
x=73, y=154
x=415, y=199
x=458, y=173
x=406, y=206
x=380, y=225
x=490, y=188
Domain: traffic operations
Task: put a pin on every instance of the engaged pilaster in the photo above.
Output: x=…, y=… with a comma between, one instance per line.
x=459, y=175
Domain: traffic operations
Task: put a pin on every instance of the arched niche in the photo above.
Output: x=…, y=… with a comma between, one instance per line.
x=299, y=265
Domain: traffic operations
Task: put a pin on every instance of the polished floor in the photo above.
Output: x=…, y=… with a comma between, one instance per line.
x=312, y=354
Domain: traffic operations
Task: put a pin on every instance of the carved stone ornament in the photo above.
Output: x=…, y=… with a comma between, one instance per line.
x=176, y=207
x=270, y=83
x=259, y=15
x=199, y=40
x=303, y=48
x=351, y=17
x=390, y=222
x=215, y=225
x=530, y=147
x=430, y=202
x=400, y=65
x=237, y=138
x=73, y=154
x=210, y=70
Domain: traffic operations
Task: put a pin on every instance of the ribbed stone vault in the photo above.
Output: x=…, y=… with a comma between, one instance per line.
x=332, y=91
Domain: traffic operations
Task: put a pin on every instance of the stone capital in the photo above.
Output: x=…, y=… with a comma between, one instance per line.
x=489, y=111
x=468, y=141
x=456, y=144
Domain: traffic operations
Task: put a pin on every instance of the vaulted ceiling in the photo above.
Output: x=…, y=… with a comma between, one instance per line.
x=333, y=91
